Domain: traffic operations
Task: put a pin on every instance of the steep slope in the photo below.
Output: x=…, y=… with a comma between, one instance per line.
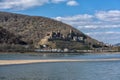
x=33, y=28
x=9, y=38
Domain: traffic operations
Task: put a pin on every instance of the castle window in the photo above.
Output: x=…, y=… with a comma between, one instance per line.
x=75, y=38
x=80, y=38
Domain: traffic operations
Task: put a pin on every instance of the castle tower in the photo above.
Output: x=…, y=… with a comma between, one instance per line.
x=71, y=31
x=58, y=31
x=58, y=34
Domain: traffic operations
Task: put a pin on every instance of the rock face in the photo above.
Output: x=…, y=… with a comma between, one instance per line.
x=33, y=30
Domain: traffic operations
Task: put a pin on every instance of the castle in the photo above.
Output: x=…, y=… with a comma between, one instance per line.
x=48, y=40
x=71, y=36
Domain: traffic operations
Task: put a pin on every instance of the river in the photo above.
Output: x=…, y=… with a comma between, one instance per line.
x=93, y=70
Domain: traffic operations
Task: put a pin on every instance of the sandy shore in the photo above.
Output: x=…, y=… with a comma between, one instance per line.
x=13, y=62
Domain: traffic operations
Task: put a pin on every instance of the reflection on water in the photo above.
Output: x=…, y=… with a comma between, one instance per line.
x=61, y=71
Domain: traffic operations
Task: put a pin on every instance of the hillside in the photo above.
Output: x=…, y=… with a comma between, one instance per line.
x=9, y=38
x=32, y=29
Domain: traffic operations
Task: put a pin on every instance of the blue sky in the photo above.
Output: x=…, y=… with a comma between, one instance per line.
x=99, y=19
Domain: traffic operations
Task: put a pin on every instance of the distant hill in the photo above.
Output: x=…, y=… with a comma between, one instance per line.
x=30, y=30
x=118, y=44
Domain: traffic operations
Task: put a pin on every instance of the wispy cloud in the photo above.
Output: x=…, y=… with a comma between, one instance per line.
x=110, y=19
x=106, y=37
x=104, y=21
x=112, y=16
x=58, y=1
x=25, y=4
x=75, y=18
x=21, y=4
x=72, y=3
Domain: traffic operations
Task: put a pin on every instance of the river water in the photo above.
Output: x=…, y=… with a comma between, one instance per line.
x=100, y=70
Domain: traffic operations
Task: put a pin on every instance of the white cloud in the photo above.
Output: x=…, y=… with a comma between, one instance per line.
x=21, y=4
x=25, y=4
x=75, y=18
x=107, y=32
x=105, y=21
x=72, y=3
x=112, y=15
x=98, y=20
x=57, y=1
x=107, y=37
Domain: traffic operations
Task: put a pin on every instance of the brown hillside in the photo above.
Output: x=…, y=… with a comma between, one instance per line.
x=9, y=38
x=33, y=28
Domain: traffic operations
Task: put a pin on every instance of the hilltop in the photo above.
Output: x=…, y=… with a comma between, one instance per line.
x=31, y=30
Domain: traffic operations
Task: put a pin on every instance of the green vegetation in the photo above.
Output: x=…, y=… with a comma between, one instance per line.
x=15, y=48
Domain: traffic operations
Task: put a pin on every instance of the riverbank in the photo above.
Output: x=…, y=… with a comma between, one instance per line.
x=59, y=53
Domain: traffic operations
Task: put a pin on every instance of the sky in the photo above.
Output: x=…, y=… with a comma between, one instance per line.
x=99, y=19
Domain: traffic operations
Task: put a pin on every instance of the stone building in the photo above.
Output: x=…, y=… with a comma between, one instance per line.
x=55, y=35
x=72, y=36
